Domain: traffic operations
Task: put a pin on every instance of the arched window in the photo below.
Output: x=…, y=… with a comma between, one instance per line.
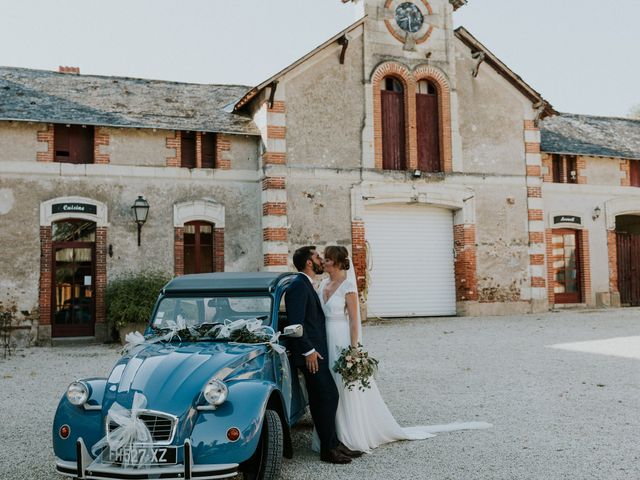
x=393, y=124
x=428, y=127
x=198, y=247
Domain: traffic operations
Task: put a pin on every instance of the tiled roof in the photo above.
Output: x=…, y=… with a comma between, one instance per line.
x=45, y=96
x=591, y=135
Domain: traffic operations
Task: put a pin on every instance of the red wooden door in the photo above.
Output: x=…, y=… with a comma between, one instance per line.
x=428, y=131
x=628, y=253
x=393, y=131
x=565, y=259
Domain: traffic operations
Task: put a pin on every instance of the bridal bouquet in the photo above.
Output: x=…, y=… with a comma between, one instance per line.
x=356, y=367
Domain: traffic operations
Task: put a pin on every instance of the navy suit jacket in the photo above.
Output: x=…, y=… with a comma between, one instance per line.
x=303, y=307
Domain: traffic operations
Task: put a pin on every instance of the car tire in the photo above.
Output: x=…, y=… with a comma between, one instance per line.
x=266, y=462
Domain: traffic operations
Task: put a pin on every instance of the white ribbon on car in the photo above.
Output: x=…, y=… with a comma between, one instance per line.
x=131, y=430
x=254, y=326
x=136, y=338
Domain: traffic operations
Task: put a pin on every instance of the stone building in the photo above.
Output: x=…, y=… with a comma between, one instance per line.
x=401, y=138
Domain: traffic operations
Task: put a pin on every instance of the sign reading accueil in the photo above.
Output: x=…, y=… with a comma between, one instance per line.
x=567, y=219
x=73, y=208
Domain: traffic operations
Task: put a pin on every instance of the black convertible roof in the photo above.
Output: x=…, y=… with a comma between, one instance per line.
x=236, y=282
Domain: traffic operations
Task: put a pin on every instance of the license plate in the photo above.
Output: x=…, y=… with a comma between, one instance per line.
x=141, y=455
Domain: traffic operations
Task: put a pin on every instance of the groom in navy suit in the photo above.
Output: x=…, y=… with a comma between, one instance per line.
x=309, y=353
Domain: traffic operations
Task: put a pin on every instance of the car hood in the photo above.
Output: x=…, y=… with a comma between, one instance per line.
x=171, y=376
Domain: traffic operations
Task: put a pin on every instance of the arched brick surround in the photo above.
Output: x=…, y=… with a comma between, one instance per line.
x=402, y=73
x=433, y=74
x=410, y=80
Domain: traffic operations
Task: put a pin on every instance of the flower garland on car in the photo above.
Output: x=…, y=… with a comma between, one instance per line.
x=356, y=367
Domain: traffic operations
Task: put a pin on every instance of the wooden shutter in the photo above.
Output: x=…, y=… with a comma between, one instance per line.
x=572, y=166
x=428, y=132
x=393, y=130
x=188, y=150
x=61, y=142
x=557, y=168
x=208, y=150
x=80, y=144
x=634, y=173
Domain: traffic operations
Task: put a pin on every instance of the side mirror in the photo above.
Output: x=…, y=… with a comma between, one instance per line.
x=293, y=331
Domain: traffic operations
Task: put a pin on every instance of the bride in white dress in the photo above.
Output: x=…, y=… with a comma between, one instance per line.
x=363, y=421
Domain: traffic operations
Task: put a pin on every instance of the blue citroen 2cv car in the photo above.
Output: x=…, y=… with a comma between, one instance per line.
x=189, y=399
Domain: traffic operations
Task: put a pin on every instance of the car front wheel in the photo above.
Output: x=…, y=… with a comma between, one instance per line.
x=266, y=462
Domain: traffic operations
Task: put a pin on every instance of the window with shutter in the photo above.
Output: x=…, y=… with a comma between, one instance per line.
x=188, y=150
x=393, y=125
x=208, y=150
x=73, y=143
x=634, y=173
x=428, y=127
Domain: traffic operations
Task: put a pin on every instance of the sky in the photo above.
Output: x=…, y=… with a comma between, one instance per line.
x=581, y=55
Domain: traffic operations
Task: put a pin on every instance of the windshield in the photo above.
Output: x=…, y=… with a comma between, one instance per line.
x=196, y=311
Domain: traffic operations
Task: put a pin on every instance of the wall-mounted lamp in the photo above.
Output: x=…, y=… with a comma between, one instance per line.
x=417, y=173
x=140, y=211
x=596, y=213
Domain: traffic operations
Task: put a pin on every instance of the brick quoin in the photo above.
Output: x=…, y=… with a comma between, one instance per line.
x=274, y=208
x=534, y=170
x=276, y=132
x=223, y=145
x=536, y=237
x=534, y=192
x=530, y=125
x=465, y=267
x=46, y=136
x=548, y=163
x=612, y=249
x=174, y=141
x=585, y=265
x=273, y=183
x=178, y=251
x=44, y=295
x=275, y=259
x=536, y=259
x=538, y=282
x=581, y=167
x=101, y=273
x=100, y=138
x=274, y=158
x=274, y=234
x=359, y=254
x=535, y=214
x=550, y=270
x=531, y=147
x=625, y=181
x=218, y=241
x=278, y=107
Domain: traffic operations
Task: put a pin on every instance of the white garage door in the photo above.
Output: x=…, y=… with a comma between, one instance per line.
x=411, y=259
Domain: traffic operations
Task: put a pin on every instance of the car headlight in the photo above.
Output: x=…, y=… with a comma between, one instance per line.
x=215, y=392
x=77, y=393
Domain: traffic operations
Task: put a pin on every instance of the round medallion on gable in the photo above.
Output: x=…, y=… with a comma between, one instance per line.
x=407, y=21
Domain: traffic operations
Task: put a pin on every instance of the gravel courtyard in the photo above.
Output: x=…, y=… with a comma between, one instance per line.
x=561, y=389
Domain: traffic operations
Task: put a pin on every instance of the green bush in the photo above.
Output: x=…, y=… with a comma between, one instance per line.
x=131, y=297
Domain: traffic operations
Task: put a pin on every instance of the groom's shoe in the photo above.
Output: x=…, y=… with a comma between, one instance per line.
x=343, y=449
x=334, y=456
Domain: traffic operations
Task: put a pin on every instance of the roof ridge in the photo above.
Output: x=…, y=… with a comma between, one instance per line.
x=606, y=117
x=118, y=77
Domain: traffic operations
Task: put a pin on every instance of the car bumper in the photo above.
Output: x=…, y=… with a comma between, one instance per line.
x=84, y=469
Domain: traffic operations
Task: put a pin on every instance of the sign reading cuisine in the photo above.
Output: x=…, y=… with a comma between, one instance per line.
x=73, y=208
x=567, y=219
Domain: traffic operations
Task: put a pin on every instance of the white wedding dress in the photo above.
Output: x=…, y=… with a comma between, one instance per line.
x=363, y=421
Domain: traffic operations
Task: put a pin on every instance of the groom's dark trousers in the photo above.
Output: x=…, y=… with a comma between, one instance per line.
x=303, y=307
